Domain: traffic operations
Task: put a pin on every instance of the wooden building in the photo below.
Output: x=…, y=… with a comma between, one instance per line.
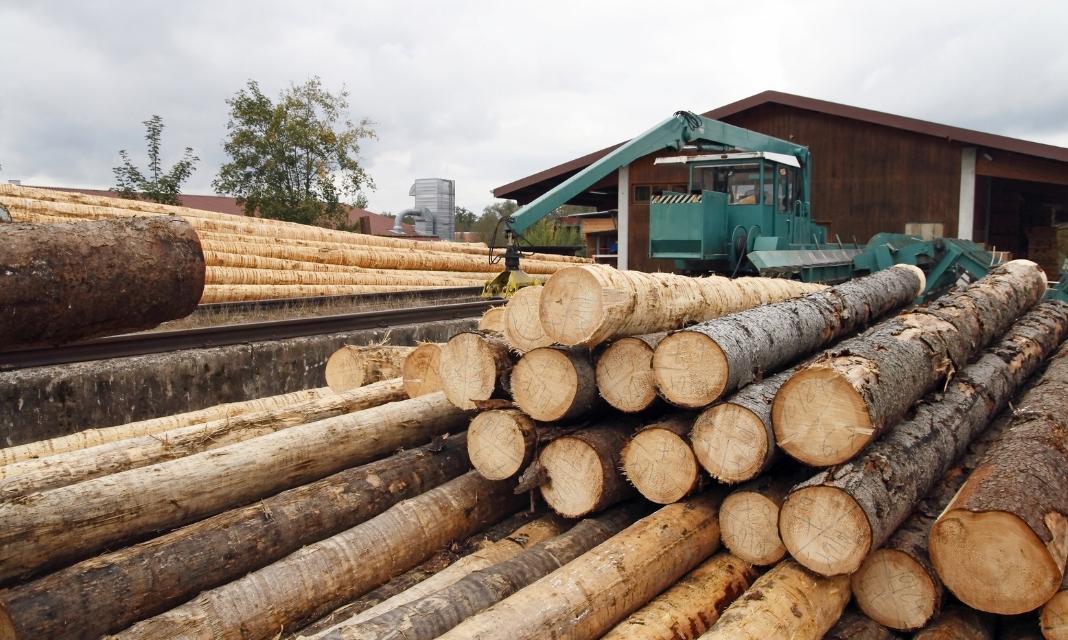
x=871, y=172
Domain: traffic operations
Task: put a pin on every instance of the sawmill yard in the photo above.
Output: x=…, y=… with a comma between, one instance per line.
x=612, y=454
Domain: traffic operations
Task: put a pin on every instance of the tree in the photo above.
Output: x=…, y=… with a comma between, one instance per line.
x=549, y=231
x=465, y=219
x=158, y=186
x=487, y=225
x=294, y=159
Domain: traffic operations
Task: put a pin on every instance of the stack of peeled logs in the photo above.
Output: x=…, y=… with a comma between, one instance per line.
x=257, y=258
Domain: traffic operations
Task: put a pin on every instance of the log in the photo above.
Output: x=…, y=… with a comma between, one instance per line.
x=163, y=572
x=1053, y=618
x=278, y=277
x=317, y=578
x=492, y=320
x=958, y=623
x=554, y=383
x=659, y=462
x=422, y=370
x=215, y=293
x=831, y=522
x=1001, y=544
x=67, y=523
x=691, y=605
x=475, y=366
x=100, y=435
x=217, y=259
x=786, y=602
x=354, y=366
x=582, y=469
x=60, y=470
x=866, y=384
x=897, y=585
x=522, y=326
x=68, y=281
x=502, y=442
x=857, y=626
x=625, y=373
x=589, y=595
x=734, y=440
x=749, y=517
x=698, y=365
x=436, y=613
x=590, y=304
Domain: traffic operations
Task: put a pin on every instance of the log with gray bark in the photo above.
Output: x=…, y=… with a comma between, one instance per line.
x=1001, y=544
x=555, y=383
x=624, y=371
x=831, y=522
x=698, y=365
x=162, y=572
x=436, y=613
x=317, y=578
x=659, y=462
x=832, y=408
x=68, y=281
x=67, y=523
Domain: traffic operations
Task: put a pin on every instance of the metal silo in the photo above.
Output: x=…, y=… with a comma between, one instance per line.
x=435, y=198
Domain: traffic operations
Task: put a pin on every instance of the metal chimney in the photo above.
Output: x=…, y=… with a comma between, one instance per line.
x=436, y=197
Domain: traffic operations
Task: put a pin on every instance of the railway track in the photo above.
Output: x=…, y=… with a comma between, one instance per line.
x=135, y=344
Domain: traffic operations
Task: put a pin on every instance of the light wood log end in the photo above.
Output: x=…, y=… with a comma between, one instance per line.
x=661, y=465
x=575, y=477
x=690, y=369
x=468, y=370
x=498, y=443
x=825, y=530
x=1054, y=617
x=749, y=526
x=730, y=442
x=422, y=370
x=820, y=418
x=625, y=375
x=493, y=320
x=894, y=590
x=522, y=322
x=919, y=274
x=545, y=383
x=571, y=307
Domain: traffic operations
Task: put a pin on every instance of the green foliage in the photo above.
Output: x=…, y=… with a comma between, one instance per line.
x=465, y=219
x=294, y=159
x=550, y=232
x=158, y=186
x=486, y=225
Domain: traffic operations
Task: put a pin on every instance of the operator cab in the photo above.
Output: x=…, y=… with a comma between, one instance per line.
x=747, y=178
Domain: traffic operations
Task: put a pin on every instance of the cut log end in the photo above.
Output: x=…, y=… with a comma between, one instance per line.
x=993, y=561
x=522, y=324
x=576, y=477
x=546, y=384
x=468, y=370
x=1054, y=617
x=351, y=367
x=625, y=375
x=571, y=307
x=498, y=443
x=919, y=274
x=730, y=442
x=492, y=320
x=422, y=370
x=749, y=526
x=894, y=590
x=825, y=530
x=820, y=418
x=690, y=369
x=661, y=465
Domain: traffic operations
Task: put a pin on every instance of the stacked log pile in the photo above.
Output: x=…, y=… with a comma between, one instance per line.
x=256, y=259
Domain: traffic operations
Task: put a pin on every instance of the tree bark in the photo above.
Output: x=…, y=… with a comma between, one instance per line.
x=1001, y=544
x=124, y=586
x=591, y=304
x=831, y=522
x=475, y=366
x=41, y=474
x=352, y=366
x=492, y=319
x=553, y=383
x=589, y=595
x=958, y=623
x=68, y=281
x=856, y=626
x=786, y=602
x=1054, y=615
x=317, y=578
x=625, y=373
x=422, y=370
x=692, y=605
x=659, y=462
x=749, y=516
x=734, y=440
x=897, y=585
x=67, y=523
x=582, y=470
x=522, y=325
x=831, y=409
x=436, y=613
x=95, y=436
x=696, y=366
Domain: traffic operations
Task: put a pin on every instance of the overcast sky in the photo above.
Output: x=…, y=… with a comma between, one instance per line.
x=488, y=92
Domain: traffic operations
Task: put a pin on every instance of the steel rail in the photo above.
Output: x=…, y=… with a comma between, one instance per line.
x=136, y=344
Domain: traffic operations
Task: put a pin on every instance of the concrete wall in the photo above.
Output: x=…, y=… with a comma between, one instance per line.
x=45, y=402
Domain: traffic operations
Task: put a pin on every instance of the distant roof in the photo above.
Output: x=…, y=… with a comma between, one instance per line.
x=380, y=224
x=967, y=136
